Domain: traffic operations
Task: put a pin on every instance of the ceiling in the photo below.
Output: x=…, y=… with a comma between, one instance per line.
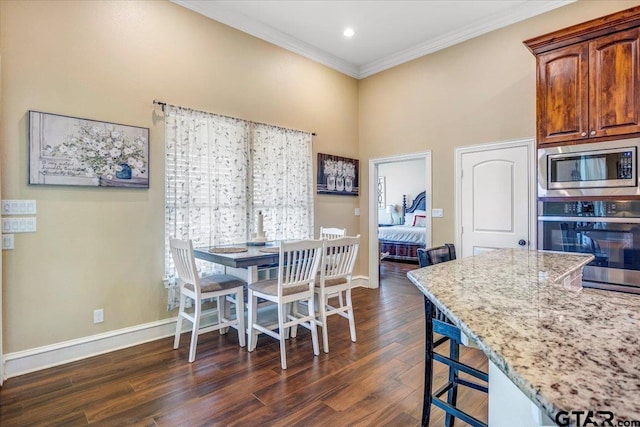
x=387, y=33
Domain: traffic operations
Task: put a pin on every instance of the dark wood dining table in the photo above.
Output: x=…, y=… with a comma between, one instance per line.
x=250, y=259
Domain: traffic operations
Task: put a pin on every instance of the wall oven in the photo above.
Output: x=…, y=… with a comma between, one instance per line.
x=610, y=230
x=591, y=170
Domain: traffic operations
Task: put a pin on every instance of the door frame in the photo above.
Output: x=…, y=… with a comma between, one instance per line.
x=374, y=254
x=530, y=143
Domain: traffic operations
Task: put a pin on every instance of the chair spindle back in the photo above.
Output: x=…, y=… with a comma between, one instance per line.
x=332, y=233
x=299, y=263
x=340, y=257
x=182, y=253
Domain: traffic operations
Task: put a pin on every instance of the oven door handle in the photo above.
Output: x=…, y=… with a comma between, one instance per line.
x=621, y=220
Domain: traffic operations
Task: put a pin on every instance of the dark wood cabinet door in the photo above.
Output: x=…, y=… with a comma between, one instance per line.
x=562, y=94
x=614, y=107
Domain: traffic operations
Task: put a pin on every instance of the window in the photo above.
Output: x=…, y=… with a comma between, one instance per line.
x=282, y=180
x=220, y=171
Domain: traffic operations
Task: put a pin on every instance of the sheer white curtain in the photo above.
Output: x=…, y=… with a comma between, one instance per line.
x=221, y=171
x=282, y=181
x=593, y=168
x=206, y=193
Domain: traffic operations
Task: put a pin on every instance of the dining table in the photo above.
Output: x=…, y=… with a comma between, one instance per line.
x=242, y=256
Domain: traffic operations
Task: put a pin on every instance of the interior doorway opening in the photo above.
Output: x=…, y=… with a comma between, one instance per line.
x=387, y=209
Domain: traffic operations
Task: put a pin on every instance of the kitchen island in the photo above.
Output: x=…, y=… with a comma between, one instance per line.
x=564, y=347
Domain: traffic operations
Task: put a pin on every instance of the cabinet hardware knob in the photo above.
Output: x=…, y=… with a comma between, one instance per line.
x=583, y=134
x=522, y=242
x=593, y=132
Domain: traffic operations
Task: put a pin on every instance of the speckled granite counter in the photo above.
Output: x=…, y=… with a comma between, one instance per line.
x=565, y=349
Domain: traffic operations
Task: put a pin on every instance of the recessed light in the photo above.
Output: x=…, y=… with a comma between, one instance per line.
x=349, y=32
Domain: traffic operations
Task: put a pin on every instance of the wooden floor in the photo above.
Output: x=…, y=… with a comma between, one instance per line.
x=374, y=382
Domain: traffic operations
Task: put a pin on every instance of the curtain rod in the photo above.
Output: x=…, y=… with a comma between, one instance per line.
x=164, y=104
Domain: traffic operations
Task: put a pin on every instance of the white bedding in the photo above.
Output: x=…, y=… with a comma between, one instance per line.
x=403, y=233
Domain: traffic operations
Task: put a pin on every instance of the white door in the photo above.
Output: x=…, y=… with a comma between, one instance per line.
x=496, y=197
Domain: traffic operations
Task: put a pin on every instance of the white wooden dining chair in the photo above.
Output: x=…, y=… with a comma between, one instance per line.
x=332, y=232
x=223, y=287
x=298, y=266
x=336, y=271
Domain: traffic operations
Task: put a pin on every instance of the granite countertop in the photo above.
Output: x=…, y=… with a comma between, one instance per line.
x=566, y=349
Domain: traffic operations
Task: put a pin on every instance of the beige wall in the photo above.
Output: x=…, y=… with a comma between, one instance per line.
x=107, y=60
x=479, y=91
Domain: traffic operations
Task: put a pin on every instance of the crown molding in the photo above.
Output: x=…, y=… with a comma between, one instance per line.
x=278, y=38
x=271, y=35
x=526, y=11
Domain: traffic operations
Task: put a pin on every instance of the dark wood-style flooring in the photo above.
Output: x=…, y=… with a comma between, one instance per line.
x=376, y=381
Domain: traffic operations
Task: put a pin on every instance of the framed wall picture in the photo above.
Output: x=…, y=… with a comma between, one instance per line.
x=73, y=151
x=337, y=175
x=382, y=190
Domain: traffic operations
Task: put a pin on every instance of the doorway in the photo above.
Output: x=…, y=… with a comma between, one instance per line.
x=374, y=165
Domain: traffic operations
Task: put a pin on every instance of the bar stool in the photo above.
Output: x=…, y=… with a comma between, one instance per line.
x=437, y=322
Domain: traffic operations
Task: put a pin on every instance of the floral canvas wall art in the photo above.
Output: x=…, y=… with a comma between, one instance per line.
x=337, y=175
x=73, y=151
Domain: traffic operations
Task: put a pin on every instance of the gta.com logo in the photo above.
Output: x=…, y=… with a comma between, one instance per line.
x=592, y=418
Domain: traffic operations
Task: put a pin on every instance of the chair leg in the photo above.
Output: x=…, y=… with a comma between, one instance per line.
x=323, y=301
x=176, y=340
x=352, y=320
x=428, y=362
x=452, y=394
x=282, y=313
x=223, y=312
x=252, y=336
x=196, y=328
x=293, y=309
x=313, y=326
x=240, y=317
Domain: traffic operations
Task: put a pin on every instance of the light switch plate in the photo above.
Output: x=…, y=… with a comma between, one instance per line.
x=7, y=241
x=436, y=213
x=18, y=207
x=19, y=225
x=29, y=207
x=30, y=224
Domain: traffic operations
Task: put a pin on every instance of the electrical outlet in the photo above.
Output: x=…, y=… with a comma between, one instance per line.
x=436, y=213
x=356, y=211
x=98, y=315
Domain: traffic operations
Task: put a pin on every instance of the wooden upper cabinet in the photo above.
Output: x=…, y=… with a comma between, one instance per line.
x=562, y=94
x=614, y=107
x=588, y=80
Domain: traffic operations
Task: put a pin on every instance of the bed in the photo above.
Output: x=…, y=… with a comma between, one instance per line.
x=400, y=242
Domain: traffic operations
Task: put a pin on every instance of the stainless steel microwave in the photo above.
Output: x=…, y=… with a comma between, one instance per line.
x=600, y=169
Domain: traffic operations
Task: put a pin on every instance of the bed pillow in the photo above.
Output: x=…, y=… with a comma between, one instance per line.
x=408, y=217
x=419, y=220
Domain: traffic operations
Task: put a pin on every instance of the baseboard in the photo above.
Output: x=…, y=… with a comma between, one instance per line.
x=360, y=282
x=35, y=359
